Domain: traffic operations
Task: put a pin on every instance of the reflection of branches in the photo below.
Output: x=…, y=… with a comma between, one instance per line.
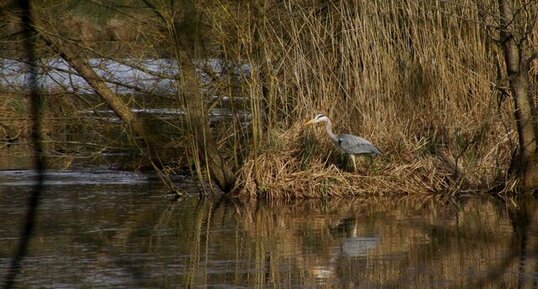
x=521, y=218
x=521, y=248
x=493, y=275
x=39, y=164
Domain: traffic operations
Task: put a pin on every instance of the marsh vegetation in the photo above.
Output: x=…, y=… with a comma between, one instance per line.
x=446, y=89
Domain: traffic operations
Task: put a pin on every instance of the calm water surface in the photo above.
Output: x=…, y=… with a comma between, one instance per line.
x=113, y=229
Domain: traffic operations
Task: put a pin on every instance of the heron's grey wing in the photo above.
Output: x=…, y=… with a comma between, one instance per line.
x=352, y=144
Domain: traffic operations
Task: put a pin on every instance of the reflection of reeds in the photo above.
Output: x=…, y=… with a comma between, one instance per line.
x=300, y=244
x=459, y=246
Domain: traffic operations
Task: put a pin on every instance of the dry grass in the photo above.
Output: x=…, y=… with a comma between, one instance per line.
x=419, y=79
x=299, y=164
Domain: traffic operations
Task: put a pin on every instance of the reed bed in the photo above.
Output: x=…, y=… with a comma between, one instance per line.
x=418, y=78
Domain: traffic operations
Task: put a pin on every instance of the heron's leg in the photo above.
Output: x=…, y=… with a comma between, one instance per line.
x=354, y=163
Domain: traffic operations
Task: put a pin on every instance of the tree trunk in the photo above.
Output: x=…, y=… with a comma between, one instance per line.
x=189, y=87
x=199, y=125
x=184, y=37
x=120, y=108
x=517, y=67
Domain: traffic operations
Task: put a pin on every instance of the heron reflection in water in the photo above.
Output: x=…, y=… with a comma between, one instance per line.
x=350, y=144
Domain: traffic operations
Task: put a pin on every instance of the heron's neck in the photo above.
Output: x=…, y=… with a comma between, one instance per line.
x=330, y=133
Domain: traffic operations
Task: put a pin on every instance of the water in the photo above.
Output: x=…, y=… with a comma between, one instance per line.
x=114, y=229
x=125, y=77
x=122, y=76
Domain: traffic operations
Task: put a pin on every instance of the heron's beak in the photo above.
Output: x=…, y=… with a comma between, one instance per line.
x=310, y=122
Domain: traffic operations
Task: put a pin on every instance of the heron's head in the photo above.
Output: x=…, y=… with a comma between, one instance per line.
x=319, y=118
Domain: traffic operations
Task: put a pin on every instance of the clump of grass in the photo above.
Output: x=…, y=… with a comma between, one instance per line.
x=288, y=169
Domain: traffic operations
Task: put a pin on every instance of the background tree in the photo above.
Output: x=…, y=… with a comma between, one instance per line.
x=517, y=24
x=172, y=27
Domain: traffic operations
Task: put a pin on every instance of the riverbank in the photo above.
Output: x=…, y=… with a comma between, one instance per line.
x=430, y=89
x=296, y=162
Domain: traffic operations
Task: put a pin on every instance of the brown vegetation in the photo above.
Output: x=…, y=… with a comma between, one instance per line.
x=288, y=169
x=419, y=79
x=425, y=81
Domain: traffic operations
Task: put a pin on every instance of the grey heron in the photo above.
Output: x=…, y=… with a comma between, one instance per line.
x=350, y=144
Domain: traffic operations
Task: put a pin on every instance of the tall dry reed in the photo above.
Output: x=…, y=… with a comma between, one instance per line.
x=417, y=78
